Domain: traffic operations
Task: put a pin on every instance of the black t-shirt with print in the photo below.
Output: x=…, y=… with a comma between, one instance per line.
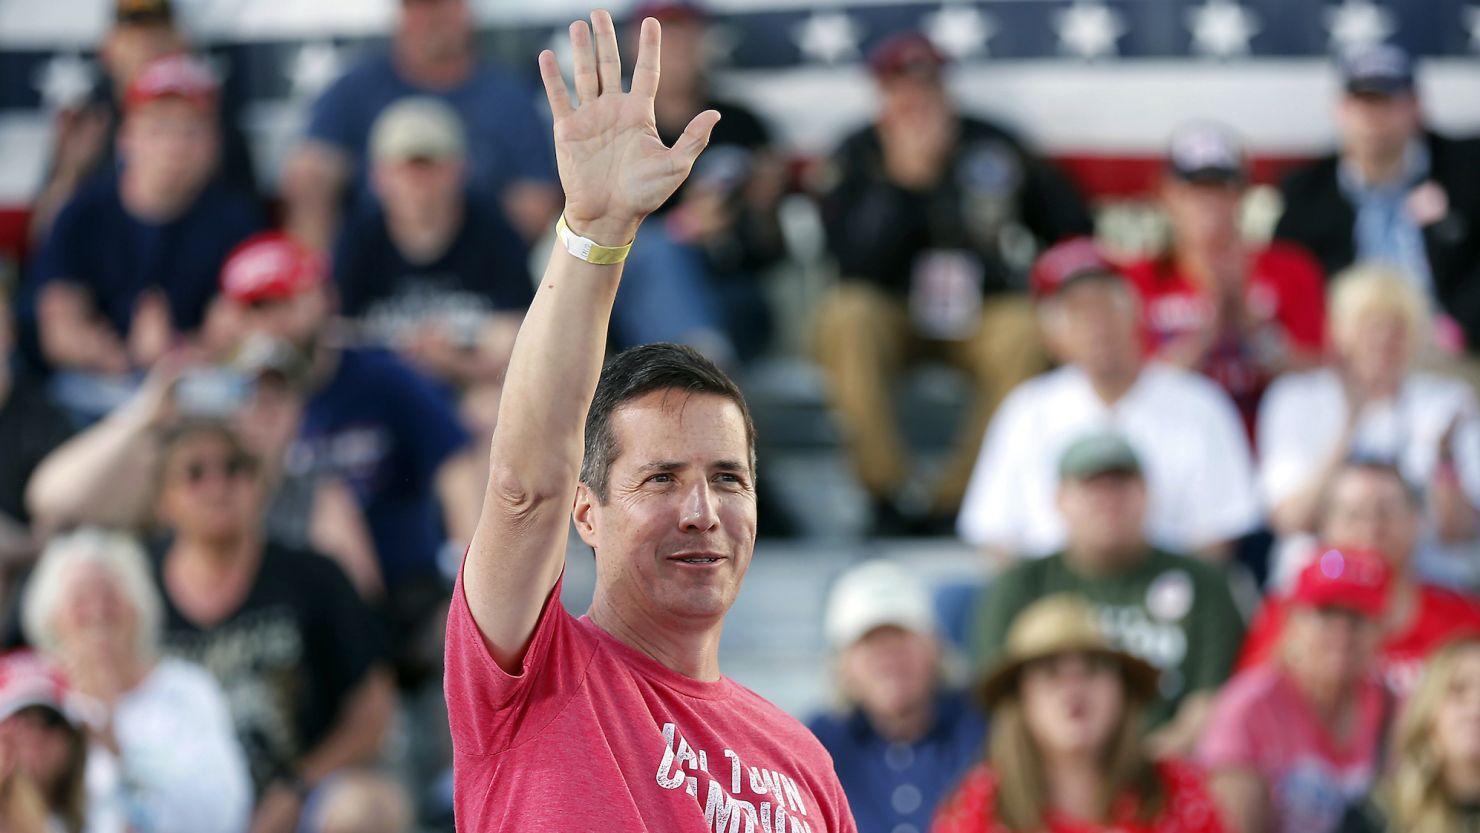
x=288, y=658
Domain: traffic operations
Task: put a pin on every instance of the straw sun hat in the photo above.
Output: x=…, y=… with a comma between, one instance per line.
x=1055, y=625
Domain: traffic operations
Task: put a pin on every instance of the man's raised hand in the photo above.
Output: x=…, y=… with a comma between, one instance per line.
x=614, y=168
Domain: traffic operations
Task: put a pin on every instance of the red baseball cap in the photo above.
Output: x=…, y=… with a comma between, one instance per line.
x=270, y=266
x=906, y=53
x=173, y=76
x=27, y=680
x=1353, y=579
x=1066, y=262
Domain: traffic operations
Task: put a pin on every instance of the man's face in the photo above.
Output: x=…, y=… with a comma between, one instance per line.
x=675, y=536
x=890, y=670
x=1377, y=125
x=436, y=29
x=296, y=320
x=418, y=186
x=1104, y=514
x=1093, y=324
x=1330, y=648
x=169, y=145
x=1201, y=213
x=1370, y=509
x=207, y=490
x=130, y=46
x=908, y=95
x=683, y=48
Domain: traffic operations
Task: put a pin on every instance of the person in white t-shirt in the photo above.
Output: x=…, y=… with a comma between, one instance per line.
x=1371, y=404
x=163, y=755
x=1183, y=427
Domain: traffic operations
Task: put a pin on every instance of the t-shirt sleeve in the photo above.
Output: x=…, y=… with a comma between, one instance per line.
x=1303, y=308
x=993, y=499
x=997, y=605
x=335, y=119
x=1225, y=506
x=1230, y=738
x=486, y=705
x=1220, y=633
x=427, y=427
x=348, y=639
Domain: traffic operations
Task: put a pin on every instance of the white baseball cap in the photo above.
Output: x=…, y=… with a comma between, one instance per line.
x=418, y=127
x=875, y=594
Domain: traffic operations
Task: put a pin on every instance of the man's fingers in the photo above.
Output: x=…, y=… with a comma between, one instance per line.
x=583, y=57
x=649, y=51
x=694, y=139
x=608, y=59
x=555, y=90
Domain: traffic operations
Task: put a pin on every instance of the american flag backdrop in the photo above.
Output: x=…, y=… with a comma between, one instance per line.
x=1098, y=83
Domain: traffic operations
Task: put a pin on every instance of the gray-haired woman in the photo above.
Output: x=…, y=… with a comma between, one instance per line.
x=164, y=757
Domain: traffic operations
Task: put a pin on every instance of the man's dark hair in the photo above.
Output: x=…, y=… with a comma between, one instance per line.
x=1371, y=464
x=635, y=373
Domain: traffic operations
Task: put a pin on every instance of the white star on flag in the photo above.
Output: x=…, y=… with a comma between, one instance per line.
x=829, y=37
x=1089, y=29
x=959, y=31
x=65, y=80
x=1472, y=22
x=1221, y=28
x=1358, y=23
x=315, y=66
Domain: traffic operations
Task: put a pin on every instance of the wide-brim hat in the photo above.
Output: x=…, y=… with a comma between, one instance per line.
x=1053, y=626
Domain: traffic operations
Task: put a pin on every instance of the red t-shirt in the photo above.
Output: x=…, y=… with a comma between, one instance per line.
x=972, y=808
x=1442, y=615
x=1284, y=298
x=594, y=736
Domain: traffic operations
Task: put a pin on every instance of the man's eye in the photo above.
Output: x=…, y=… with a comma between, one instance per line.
x=661, y=478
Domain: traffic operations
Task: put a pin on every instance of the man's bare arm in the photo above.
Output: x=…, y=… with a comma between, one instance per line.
x=615, y=171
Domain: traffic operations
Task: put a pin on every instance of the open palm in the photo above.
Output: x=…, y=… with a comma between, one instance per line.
x=614, y=168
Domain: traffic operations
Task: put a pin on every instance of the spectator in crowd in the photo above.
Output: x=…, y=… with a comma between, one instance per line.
x=694, y=275
x=1292, y=742
x=1172, y=611
x=43, y=750
x=163, y=755
x=1372, y=403
x=927, y=213
x=905, y=736
x=130, y=266
x=31, y=427
x=439, y=278
x=1211, y=302
x=1186, y=432
x=1394, y=193
x=1433, y=781
x=1369, y=506
x=1065, y=751
x=372, y=422
x=78, y=483
x=87, y=130
x=431, y=53
x=282, y=630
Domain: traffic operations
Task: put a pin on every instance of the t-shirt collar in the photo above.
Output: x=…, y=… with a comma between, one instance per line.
x=657, y=671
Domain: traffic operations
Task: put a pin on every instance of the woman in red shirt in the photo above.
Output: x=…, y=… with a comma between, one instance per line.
x=1065, y=754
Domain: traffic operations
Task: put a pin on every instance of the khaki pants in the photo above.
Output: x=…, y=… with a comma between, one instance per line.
x=864, y=340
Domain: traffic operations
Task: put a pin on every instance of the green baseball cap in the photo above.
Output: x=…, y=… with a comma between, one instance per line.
x=1098, y=453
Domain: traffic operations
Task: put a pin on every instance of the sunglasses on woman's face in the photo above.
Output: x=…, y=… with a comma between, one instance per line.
x=195, y=472
x=43, y=717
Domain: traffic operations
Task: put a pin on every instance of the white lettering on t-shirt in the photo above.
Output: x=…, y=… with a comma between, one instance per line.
x=726, y=810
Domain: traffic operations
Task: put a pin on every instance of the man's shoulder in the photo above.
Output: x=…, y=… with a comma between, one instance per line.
x=1205, y=577
x=781, y=727
x=1046, y=390
x=1254, y=687
x=1313, y=180
x=1179, y=390
x=368, y=75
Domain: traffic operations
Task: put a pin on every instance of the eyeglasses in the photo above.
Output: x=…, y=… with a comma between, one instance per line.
x=195, y=472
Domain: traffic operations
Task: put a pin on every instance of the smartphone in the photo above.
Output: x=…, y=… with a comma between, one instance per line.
x=212, y=392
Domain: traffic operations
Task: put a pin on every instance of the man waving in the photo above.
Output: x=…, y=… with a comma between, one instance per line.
x=619, y=720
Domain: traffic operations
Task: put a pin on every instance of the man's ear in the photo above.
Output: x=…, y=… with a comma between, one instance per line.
x=583, y=514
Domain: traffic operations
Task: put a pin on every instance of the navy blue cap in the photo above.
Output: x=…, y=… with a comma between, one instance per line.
x=1378, y=69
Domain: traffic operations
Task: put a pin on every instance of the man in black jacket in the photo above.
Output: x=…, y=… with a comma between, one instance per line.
x=934, y=219
x=1394, y=193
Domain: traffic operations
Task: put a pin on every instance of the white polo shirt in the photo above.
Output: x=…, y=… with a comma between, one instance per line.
x=1183, y=427
x=1303, y=416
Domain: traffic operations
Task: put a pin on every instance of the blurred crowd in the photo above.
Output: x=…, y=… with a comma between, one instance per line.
x=1227, y=492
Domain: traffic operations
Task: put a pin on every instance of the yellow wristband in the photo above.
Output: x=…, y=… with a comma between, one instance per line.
x=587, y=249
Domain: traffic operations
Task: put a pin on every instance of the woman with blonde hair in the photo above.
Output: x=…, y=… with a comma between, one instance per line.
x=1372, y=403
x=1434, y=785
x=1065, y=753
